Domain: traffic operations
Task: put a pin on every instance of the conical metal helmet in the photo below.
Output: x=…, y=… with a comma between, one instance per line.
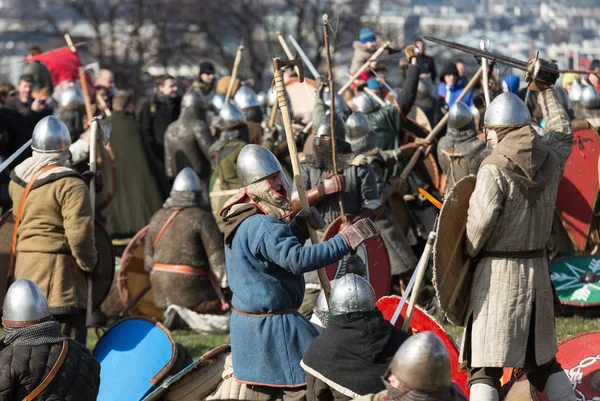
x=231, y=114
x=50, y=135
x=561, y=93
x=324, y=128
x=359, y=134
x=71, y=97
x=218, y=101
x=589, y=97
x=476, y=115
x=255, y=163
x=340, y=104
x=352, y=293
x=193, y=100
x=365, y=103
x=187, y=181
x=575, y=91
x=24, y=302
x=505, y=111
x=422, y=363
x=246, y=97
x=460, y=116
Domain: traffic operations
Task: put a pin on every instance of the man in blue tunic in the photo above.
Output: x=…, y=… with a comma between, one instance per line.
x=265, y=261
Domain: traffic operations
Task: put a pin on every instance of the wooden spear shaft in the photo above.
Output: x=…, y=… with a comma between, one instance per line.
x=332, y=112
x=289, y=133
x=415, y=157
x=234, y=71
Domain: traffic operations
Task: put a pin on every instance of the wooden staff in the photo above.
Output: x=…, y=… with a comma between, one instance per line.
x=93, y=167
x=415, y=157
x=82, y=81
x=289, y=133
x=234, y=71
x=290, y=56
x=374, y=96
x=273, y=114
x=102, y=103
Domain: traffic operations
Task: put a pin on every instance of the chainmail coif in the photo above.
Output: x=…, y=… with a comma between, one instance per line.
x=38, y=334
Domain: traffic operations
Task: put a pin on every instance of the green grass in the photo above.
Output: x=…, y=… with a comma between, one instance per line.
x=198, y=344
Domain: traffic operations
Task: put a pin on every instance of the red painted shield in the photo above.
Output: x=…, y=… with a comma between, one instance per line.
x=373, y=253
x=421, y=321
x=578, y=188
x=579, y=356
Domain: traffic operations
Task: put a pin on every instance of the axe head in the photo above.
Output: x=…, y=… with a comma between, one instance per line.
x=279, y=64
x=93, y=67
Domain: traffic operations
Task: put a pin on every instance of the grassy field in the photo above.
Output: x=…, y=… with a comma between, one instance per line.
x=198, y=344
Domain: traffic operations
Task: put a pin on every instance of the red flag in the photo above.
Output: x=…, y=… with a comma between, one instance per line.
x=62, y=63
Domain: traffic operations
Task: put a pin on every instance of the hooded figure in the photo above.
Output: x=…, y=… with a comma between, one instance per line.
x=510, y=83
x=510, y=316
x=460, y=152
x=351, y=355
x=184, y=255
x=188, y=141
x=451, y=86
x=55, y=237
x=265, y=261
x=36, y=359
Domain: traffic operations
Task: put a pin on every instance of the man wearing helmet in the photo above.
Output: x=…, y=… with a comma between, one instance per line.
x=185, y=258
x=510, y=316
x=54, y=237
x=460, y=152
x=588, y=106
x=265, y=261
x=37, y=361
x=350, y=356
x=70, y=109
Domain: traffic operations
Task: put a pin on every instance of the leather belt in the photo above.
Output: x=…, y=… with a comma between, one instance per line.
x=281, y=312
x=195, y=271
x=530, y=254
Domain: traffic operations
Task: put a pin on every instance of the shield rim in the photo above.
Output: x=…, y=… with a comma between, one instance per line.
x=138, y=239
x=574, y=303
x=329, y=230
x=597, y=185
x=450, y=316
x=100, y=227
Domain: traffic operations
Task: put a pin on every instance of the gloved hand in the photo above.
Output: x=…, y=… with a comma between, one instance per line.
x=359, y=232
x=411, y=51
x=98, y=183
x=311, y=218
x=531, y=77
x=334, y=184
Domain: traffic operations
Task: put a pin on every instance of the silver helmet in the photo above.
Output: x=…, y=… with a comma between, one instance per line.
x=476, y=115
x=272, y=98
x=245, y=98
x=324, y=127
x=459, y=116
x=340, y=104
x=187, y=181
x=25, y=302
x=589, y=97
x=505, y=111
x=231, y=114
x=422, y=363
x=575, y=91
x=71, y=97
x=50, y=135
x=218, y=101
x=255, y=163
x=365, y=103
x=261, y=97
x=424, y=88
x=352, y=293
x=561, y=93
x=359, y=134
x=193, y=100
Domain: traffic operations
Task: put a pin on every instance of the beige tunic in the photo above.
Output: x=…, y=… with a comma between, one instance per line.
x=504, y=289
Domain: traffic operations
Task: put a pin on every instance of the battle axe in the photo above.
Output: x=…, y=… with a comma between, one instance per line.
x=278, y=64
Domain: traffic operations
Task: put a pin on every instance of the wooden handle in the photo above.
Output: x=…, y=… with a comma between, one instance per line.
x=415, y=157
x=273, y=114
x=374, y=96
x=289, y=134
x=86, y=96
x=362, y=69
x=290, y=56
x=236, y=65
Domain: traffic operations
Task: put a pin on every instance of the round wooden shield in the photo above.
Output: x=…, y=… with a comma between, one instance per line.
x=421, y=321
x=579, y=356
x=106, y=259
x=372, y=252
x=572, y=290
x=302, y=97
x=452, y=274
x=417, y=114
x=133, y=279
x=427, y=167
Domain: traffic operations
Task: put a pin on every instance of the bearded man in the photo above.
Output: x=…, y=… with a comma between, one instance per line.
x=510, y=317
x=265, y=261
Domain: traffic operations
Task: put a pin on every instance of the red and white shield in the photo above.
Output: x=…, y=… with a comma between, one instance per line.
x=373, y=254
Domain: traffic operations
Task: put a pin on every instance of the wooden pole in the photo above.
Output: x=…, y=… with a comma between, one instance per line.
x=289, y=133
x=102, y=103
x=234, y=71
x=86, y=95
x=415, y=157
x=290, y=56
x=93, y=168
x=374, y=96
x=362, y=69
